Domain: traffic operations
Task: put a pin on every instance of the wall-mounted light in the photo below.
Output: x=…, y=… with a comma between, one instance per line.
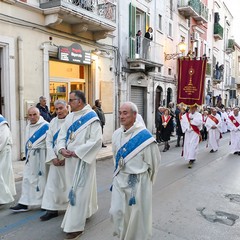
x=182, y=48
x=100, y=52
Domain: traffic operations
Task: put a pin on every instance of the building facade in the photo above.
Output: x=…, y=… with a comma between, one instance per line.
x=50, y=48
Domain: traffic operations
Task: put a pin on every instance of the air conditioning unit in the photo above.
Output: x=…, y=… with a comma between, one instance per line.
x=196, y=36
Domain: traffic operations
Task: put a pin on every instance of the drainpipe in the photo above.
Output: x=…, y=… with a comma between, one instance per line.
x=21, y=96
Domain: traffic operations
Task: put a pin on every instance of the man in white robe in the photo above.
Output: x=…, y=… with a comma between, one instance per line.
x=7, y=183
x=224, y=118
x=135, y=173
x=34, y=173
x=79, y=141
x=55, y=194
x=191, y=124
x=234, y=126
x=214, y=128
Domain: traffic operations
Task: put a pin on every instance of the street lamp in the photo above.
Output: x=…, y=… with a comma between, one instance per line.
x=182, y=48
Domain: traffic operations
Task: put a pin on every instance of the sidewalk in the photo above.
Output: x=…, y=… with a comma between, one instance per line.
x=103, y=154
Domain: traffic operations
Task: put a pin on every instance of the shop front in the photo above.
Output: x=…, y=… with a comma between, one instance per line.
x=70, y=71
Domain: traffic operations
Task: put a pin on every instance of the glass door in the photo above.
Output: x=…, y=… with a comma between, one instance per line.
x=58, y=90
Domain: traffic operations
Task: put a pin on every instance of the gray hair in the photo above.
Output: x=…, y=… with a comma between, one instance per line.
x=42, y=98
x=133, y=106
x=60, y=101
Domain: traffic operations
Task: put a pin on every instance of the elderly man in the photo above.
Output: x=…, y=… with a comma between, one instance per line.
x=234, y=126
x=159, y=114
x=214, y=128
x=34, y=174
x=137, y=160
x=55, y=194
x=79, y=141
x=7, y=184
x=191, y=124
x=43, y=109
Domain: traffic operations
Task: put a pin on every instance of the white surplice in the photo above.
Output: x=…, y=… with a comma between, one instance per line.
x=7, y=183
x=134, y=222
x=34, y=173
x=235, y=134
x=55, y=195
x=224, y=118
x=191, y=138
x=81, y=171
x=214, y=134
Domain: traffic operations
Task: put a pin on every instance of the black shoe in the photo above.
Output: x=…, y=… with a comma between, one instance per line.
x=104, y=146
x=191, y=162
x=212, y=151
x=236, y=153
x=20, y=208
x=177, y=145
x=49, y=215
x=164, y=150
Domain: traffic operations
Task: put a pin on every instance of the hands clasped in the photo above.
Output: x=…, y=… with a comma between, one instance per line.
x=67, y=154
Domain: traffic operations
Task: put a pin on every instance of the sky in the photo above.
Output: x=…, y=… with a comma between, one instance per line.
x=234, y=8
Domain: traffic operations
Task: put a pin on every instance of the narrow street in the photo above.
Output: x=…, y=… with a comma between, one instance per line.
x=202, y=203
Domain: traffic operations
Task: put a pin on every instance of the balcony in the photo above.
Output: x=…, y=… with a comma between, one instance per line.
x=230, y=46
x=89, y=18
x=193, y=8
x=144, y=54
x=218, y=31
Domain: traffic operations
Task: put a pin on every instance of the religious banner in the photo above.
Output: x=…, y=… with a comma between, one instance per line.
x=191, y=81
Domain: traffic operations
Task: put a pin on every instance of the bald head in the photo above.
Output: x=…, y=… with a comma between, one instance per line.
x=33, y=115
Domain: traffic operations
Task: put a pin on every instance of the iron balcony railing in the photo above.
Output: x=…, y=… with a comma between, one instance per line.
x=198, y=7
x=218, y=30
x=102, y=8
x=144, y=48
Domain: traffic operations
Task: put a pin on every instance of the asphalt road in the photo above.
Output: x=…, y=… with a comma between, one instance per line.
x=202, y=203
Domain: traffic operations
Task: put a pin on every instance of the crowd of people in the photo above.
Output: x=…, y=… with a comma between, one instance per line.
x=205, y=124
x=60, y=169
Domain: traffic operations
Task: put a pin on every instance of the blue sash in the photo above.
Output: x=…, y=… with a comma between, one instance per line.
x=132, y=144
x=39, y=133
x=80, y=122
x=2, y=119
x=55, y=136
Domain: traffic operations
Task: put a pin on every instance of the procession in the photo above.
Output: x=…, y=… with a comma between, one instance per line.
x=60, y=169
x=119, y=120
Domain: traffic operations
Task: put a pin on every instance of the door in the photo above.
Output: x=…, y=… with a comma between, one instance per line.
x=138, y=97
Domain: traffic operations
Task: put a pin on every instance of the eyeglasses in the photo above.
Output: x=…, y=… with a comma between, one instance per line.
x=71, y=100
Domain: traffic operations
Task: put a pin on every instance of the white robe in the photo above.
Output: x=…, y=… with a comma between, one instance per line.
x=191, y=138
x=55, y=195
x=224, y=118
x=235, y=134
x=82, y=170
x=134, y=222
x=7, y=184
x=34, y=173
x=214, y=134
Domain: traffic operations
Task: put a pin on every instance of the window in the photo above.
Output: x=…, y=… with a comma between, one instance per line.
x=160, y=22
x=171, y=9
x=170, y=29
x=169, y=71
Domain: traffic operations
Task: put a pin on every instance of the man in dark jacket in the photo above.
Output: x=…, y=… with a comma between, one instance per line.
x=43, y=108
x=97, y=108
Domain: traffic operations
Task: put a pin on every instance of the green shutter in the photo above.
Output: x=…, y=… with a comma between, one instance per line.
x=132, y=30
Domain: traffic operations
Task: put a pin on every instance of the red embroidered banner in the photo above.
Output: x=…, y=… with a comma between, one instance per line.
x=191, y=81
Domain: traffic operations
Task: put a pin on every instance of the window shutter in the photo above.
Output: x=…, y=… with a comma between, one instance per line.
x=132, y=30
